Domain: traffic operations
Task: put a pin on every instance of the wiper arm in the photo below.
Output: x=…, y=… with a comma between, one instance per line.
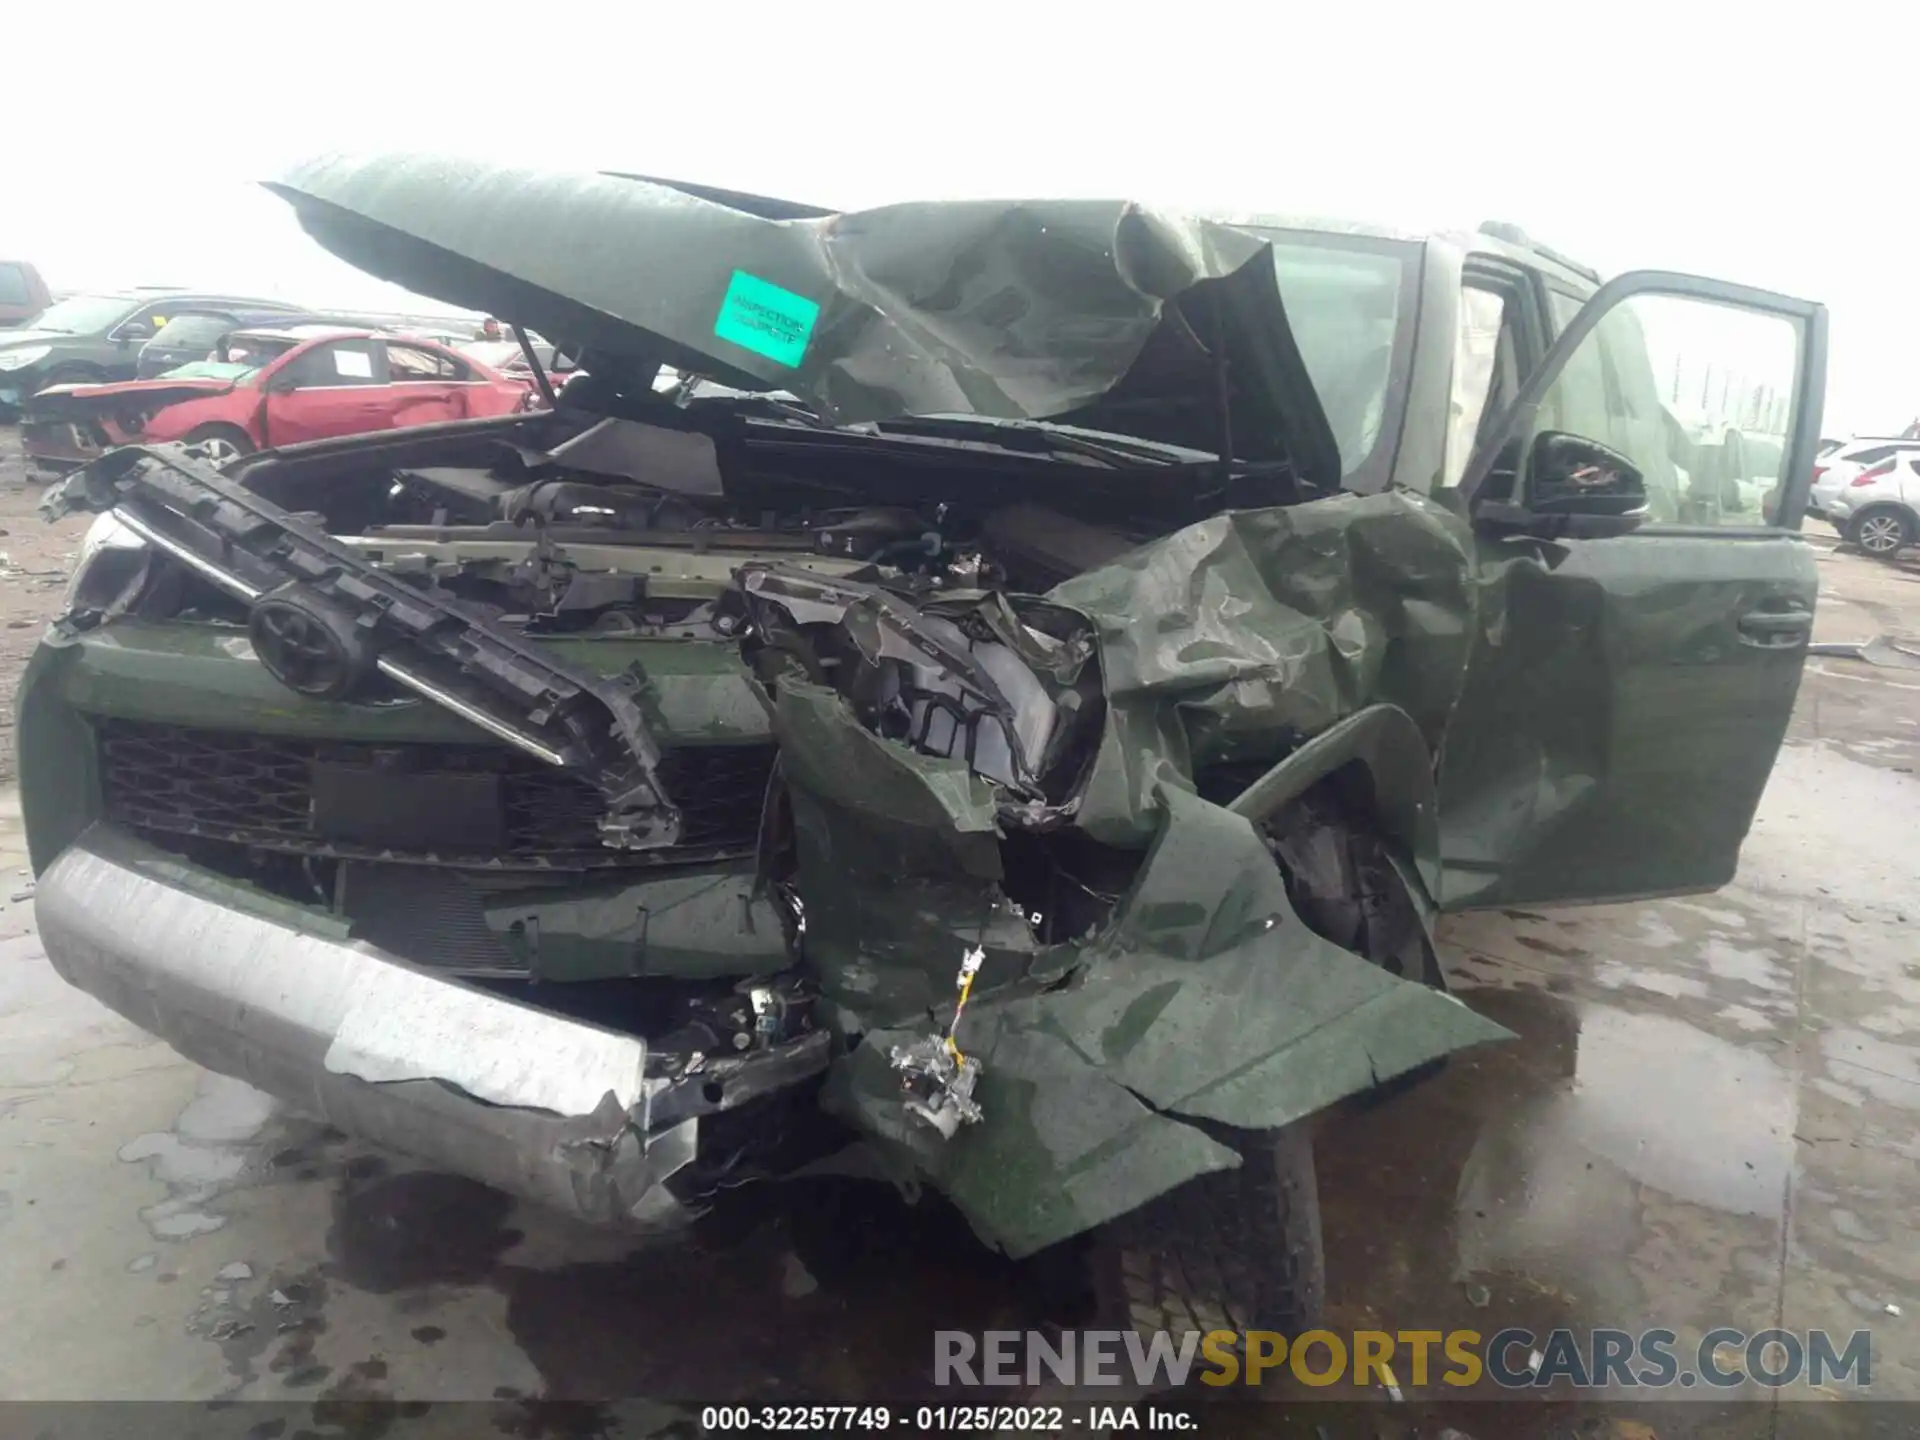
x=1116, y=453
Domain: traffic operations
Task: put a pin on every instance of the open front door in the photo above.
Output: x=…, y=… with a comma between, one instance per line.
x=1647, y=604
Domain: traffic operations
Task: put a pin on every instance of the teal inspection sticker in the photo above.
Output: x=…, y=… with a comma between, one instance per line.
x=760, y=316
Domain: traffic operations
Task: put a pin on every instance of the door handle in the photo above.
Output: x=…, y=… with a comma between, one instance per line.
x=1776, y=629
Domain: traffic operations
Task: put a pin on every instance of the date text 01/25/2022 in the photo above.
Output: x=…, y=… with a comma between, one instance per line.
x=941, y=1419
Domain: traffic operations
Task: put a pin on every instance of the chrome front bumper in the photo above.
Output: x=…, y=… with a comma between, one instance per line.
x=544, y=1107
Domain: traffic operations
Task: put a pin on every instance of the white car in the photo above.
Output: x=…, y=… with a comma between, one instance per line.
x=1834, y=471
x=1877, y=506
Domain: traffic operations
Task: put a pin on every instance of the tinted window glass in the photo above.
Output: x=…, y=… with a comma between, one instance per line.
x=253, y=350
x=1477, y=364
x=1872, y=455
x=344, y=362
x=1345, y=309
x=1564, y=307
x=410, y=362
x=1350, y=302
x=83, y=314
x=192, y=332
x=13, y=285
x=1696, y=394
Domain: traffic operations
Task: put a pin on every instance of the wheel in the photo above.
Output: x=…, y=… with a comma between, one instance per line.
x=1240, y=1249
x=1233, y=1250
x=222, y=444
x=1881, y=530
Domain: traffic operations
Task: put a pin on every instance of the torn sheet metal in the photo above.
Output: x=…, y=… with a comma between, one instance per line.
x=1067, y=1148
x=1110, y=312
x=1268, y=626
x=1206, y=999
x=1203, y=997
x=89, y=402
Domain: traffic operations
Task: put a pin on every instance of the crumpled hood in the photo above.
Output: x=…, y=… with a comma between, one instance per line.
x=19, y=339
x=70, y=402
x=1110, y=314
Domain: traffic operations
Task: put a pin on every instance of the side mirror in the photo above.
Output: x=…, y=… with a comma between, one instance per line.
x=1576, y=488
x=282, y=384
x=135, y=332
x=1571, y=475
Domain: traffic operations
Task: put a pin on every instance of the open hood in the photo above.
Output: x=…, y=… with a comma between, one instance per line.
x=1107, y=314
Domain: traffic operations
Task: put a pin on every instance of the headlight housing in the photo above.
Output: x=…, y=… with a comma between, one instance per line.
x=23, y=356
x=110, y=562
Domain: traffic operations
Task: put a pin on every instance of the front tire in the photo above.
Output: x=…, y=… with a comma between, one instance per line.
x=1233, y=1250
x=1882, y=531
x=1240, y=1249
x=223, y=444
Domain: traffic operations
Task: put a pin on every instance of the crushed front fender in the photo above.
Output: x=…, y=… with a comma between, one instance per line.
x=1109, y=1052
x=1208, y=999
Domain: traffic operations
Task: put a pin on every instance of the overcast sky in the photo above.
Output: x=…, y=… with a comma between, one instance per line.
x=1775, y=146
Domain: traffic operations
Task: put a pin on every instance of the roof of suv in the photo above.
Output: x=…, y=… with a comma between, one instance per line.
x=303, y=333
x=1493, y=237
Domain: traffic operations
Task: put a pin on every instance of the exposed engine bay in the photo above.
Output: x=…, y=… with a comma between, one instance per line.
x=440, y=563
x=437, y=563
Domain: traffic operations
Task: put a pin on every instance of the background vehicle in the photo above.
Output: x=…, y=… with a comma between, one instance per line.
x=681, y=767
x=192, y=334
x=1837, y=469
x=1878, y=506
x=88, y=339
x=23, y=294
x=507, y=357
x=271, y=387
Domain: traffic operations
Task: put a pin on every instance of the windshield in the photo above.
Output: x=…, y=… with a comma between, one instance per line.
x=84, y=314
x=1350, y=304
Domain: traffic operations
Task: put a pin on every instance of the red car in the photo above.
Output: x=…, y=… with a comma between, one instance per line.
x=268, y=387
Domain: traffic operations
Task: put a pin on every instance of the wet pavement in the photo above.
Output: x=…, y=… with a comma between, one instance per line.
x=1711, y=1117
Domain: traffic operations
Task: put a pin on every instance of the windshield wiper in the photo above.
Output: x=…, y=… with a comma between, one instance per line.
x=1112, y=451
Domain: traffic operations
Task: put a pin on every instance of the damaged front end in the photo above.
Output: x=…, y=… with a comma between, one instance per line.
x=1055, y=798
x=620, y=803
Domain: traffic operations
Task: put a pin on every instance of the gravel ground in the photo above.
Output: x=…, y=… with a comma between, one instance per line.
x=34, y=560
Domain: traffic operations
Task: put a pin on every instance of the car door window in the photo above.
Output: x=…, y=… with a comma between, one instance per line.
x=338, y=363
x=13, y=285
x=1695, y=394
x=1485, y=370
x=192, y=330
x=149, y=320
x=413, y=363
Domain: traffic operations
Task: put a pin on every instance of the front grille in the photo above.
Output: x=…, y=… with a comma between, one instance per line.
x=258, y=790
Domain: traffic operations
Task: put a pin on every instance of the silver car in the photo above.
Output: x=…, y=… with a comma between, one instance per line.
x=1876, y=506
x=1837, y=468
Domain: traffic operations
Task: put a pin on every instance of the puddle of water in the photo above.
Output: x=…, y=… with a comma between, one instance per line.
x=1617, y=975
x=206, y=1153
x=1754, y=965
x=1664, y=1104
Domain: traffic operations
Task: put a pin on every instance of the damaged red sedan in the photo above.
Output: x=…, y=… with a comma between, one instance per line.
x=269, y=387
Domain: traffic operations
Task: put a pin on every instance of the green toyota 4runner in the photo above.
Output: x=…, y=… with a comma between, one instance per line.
x=1008, y=683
